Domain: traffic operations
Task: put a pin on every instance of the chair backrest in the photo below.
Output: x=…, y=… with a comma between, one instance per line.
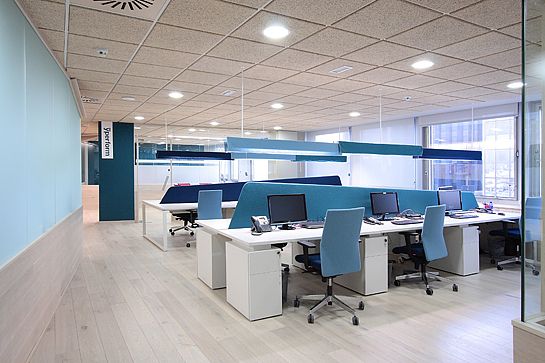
x=209, y=204
x=532, y=222
x=432, y=233
x=340, y=248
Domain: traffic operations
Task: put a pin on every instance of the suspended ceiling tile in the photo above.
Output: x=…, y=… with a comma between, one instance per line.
x=186, y=87
x=148, y=70
x=459, y=70
x=162, y=97
x=309, y=79
x=438, y=33
x=326, y=13
x=184, y=40
x=263, y=96
x=382, y=53
x=283, y=88
x=385, y=18
x=380, y=75
x=502, y=60
x=439, y=61
x=207, y=15
x=297, y=100
x=153, y=108
x=54, y=39
x=164, y=57
x=326, y=68
x=114, y=99
x=471, y=92
x=346, y=85
x=253, y=29
x=251, y=3
x=95, y=86
x=296, y=59
x=89, y=46
x=444, y=6
x=265, y=73
x=415, y=81
x=235, y=84
x=319, y=93
x=212, y=99
x=45, y=14
x=502, y=86
x=493, y=14
x=444, y=87
x=142, y=81
x=95, y=63
x=87, y=75
x=103, y=25
x=378, y=90
x=481, y=46
x=348, y=97
x=533, y=30
x=202, y=77
x=219, y=65
x=490, y=78
x=500, y=97
x=334, y=42
x=244, y=50
x=133, y=90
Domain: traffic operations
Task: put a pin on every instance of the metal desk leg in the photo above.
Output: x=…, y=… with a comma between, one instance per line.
x=144, y=221
x=165, y=230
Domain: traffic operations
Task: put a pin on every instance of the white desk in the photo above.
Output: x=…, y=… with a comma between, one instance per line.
x=166, y=210
x=252, y=267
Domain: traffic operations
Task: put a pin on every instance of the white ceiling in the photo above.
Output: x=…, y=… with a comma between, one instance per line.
x=199, y=47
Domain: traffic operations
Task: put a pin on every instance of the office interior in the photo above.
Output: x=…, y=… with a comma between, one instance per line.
x=170, y=168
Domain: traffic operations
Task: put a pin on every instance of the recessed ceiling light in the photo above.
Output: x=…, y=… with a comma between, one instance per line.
x=175, y=95
x=137, y=127
x=515, y=85
x=202, y=130
x=247, y=133
x=170, y=135
x=277, y=106
x=277, y=128
x=128, y=98
x=191, y=130
x=139, y=118
x=422, y=64
x=340, y=70
x=262, y=132
x=228, y=93
x=214, y=123
x=354, y=114
x=276, y=32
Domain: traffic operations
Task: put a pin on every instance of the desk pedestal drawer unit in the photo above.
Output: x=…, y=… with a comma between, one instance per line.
x=463, y=251
x=211, y=258
x=254, y=281
x=373, y=277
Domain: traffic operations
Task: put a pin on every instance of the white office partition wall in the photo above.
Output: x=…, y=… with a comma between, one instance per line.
x=40, y=185
x=384, y=170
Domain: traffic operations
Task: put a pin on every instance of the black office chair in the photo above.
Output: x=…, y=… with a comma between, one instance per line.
x=188, y=219
x=281, y=247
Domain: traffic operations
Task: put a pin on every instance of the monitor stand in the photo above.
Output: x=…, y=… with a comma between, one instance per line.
x=387, y=217
x=286, y=227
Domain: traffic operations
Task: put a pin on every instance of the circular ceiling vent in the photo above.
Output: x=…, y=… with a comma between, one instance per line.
x=133, y=5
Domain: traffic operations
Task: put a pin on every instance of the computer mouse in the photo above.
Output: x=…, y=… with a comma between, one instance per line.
x=501, y=213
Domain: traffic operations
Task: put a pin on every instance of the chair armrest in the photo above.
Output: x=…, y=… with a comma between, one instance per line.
x=306, y=244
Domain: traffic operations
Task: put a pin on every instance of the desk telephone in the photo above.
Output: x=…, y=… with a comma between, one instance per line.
x=260, y=224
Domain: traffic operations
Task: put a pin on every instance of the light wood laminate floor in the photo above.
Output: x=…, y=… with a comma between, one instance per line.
x=130, y=302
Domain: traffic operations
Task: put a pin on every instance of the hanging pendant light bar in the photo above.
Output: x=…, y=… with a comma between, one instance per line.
x=349, y=147
x=192, y=155
x=448, y=154
x=239, y=144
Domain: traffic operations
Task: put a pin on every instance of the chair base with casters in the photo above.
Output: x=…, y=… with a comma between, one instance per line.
x=189, y=224
x=517, y=260
x=328, y=299
x=416, y=251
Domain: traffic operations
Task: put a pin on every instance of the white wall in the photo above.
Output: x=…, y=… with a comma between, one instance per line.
x=383, y=170
x=324, y=168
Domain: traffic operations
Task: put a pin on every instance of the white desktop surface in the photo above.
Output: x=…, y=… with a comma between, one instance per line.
x=172, y=207
x=244, y=236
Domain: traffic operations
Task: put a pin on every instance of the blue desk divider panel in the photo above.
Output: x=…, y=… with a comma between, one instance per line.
x=320, y=198
x=231, y=191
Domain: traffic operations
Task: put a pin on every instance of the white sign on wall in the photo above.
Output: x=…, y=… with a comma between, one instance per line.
x=107, y=130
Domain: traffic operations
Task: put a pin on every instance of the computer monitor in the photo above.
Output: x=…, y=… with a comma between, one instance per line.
x=452, y=199
x=384, y=204
x=286, y=209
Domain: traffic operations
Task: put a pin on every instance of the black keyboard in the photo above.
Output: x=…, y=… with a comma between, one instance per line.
x=313, y=224
x=463, y=216
x=408, y=221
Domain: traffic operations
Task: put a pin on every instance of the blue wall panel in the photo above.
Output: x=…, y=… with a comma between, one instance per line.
x=39, y=155
x=116, y=188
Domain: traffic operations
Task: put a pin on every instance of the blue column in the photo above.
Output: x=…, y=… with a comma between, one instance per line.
x=116, y=182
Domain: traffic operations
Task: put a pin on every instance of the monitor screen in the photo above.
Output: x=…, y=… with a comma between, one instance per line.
x=287, y=208
x=452, y=199
x=384, y=203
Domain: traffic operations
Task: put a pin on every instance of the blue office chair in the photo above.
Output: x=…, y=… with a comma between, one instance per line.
x=208, y=207
x=431, y=248
x=339, y=255
x=512, y=236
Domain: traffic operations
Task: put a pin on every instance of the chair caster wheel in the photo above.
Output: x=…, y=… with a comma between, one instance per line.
x=535, y=272
x=361, y=305
x=454, y=287
x=397, y=283
x=296, y=303
x=310, y=319
x=517, y=262
x=192, y=233
x=330, y=303
x=286, y=269
x=429, y=291
x=499, y=268
x=492, y=261
x=188, y=245
x=355, y=320
x=172, y=233
x=170, y=230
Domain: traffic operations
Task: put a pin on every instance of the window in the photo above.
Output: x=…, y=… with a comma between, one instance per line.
x=495, y=176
